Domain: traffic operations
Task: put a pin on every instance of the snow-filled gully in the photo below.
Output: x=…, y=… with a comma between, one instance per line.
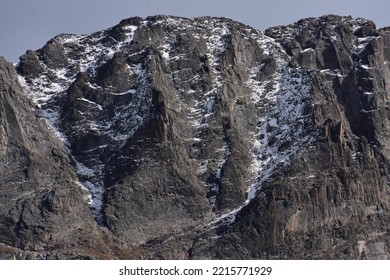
x=282, y=132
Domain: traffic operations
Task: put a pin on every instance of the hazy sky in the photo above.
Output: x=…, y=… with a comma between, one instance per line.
x=28, y=24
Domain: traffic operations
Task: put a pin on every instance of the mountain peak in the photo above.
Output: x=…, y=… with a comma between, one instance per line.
x=203, y=135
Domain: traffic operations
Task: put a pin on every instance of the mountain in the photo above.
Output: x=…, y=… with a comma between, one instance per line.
x=177, y=138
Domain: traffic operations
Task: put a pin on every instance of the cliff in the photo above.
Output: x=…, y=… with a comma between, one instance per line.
x=201, y=138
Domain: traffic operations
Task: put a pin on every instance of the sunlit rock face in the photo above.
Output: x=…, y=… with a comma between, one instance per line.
x=176, y=138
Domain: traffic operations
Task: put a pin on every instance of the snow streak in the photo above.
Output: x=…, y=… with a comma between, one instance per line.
x=53, y=83
x=283, y=131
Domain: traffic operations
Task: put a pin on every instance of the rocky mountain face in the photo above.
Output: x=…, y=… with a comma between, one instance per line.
x=176, y=138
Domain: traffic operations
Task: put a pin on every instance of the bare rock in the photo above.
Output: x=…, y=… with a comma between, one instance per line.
x=176, y=138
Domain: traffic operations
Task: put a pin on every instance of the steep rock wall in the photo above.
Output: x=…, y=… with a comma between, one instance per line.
x=199, y=138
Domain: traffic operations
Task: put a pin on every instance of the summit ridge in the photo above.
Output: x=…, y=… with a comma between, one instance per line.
x=177, y=138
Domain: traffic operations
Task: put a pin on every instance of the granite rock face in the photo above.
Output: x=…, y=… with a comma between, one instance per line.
x=332, y=200
x=42, y=205
x=172, y=138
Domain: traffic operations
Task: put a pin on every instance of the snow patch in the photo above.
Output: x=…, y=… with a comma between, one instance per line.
x=361, y=43
x=53, y=83
x=364, y=66
x=90, y=102
x=92, y=182
x=130, y=91
x=203, y=109
x=308, y=50
x=165, y=50
x=282, y=132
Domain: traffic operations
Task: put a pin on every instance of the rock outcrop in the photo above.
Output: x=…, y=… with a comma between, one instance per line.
x=171, y=138
x=41, y=204
x=332, y=201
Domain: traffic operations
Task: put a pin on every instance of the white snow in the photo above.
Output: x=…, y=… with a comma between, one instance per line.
x=165, y=50
x=203, y=109
x=333, y=72
x=368, y=111
x=288, y=126
x=93, y=184
x=361, y=43
x=53, y=83
x=364, y=66
x=90, y=102
x=308, y=50
x=282, y=132
x=130, y=91
x=132, y=112
x=209, y=105
x=273, y=122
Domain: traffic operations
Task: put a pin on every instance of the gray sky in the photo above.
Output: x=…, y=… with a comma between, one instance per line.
x=28, y=24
